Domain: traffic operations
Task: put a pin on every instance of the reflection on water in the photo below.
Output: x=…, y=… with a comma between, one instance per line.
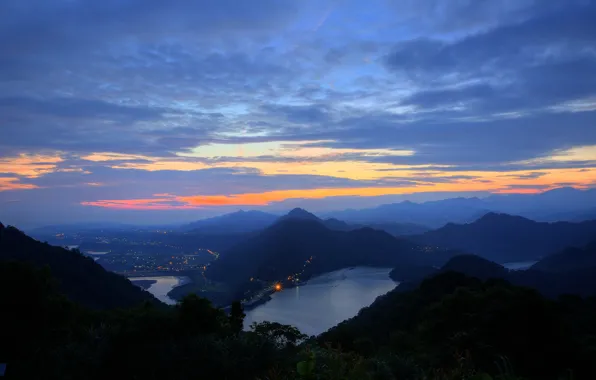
x=519, y=265
x=162, y=286
x=325, y=300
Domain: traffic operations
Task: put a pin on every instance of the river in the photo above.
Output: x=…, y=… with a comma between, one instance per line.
x=324, y=301
x=519, y=265
x=162, y=286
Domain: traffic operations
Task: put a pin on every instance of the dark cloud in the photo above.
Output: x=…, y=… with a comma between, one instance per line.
x=79, y=109
x=498, y=141
x=526, y=186
x=532, y=175
x=502, y=47
x=38, y=24
x=545, y=59
x=312, y=114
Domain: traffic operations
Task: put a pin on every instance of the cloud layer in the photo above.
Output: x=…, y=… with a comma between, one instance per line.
x=232, y=103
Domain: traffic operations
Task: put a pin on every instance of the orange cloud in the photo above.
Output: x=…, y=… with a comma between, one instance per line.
x=168, y=203
x=31, y=166
x=11, y=183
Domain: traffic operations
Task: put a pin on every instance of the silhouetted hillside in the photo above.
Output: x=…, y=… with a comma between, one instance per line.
x=283, y=249
x=574, y=278
x=395, y=229
x=495, y=324
x=475, y=266
x=236, y=222
x=570, y=259
x=503, y=238
x=79, y=277
x=299, y=213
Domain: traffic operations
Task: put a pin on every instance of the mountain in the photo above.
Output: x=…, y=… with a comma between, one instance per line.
x=395, y=229
x=565, y=203
x=400, y=229
x=79, y=277
x=475, y=266
x=451, y=313
x=299, y=213
x=294, y=245
x=470, y=265
x=504, y=238
x=236, y=222
x=570, y=259
x=433, y=214
x=573, y=271
x=338, y=225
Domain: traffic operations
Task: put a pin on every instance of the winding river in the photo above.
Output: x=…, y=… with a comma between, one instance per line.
x=324, y=301
x=162, y=286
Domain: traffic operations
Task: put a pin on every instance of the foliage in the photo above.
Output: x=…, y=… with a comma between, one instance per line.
x=79, y=277
x=450, y=327
x=283, y=336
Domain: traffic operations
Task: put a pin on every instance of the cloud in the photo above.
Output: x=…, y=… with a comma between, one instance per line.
x=227, y=98
x=11, y=183
x=30, y=166
x=77, y=109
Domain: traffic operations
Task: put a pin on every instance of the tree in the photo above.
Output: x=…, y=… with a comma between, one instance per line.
x=237, y=317
x=197, y=315
x=282, y=335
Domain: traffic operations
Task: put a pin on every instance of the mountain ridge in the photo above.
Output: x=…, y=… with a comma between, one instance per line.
x=501, y=237
x=79, y=277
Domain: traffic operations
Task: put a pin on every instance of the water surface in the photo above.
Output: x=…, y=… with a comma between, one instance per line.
x=325, y=300
x=519, y=265
x=162, y=286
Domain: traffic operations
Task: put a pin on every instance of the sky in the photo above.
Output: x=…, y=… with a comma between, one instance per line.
x=153, y=111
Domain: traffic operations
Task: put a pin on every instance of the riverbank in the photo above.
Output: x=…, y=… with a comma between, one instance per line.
x=161, y=286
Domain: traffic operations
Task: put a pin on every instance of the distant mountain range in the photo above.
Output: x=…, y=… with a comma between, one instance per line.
x=236, y=222
x=251, y=221
x=80, y=278
x=503, y=238
x=300, y=241
x=563, y=204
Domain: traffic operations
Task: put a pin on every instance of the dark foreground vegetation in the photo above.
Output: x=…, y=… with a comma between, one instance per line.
x=449, y=326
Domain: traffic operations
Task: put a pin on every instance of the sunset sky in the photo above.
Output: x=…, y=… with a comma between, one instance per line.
x=153, y=111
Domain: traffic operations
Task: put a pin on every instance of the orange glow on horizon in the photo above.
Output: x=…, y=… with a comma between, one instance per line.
x=509, y=182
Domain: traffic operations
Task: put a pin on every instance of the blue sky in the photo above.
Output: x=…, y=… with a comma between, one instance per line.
x=149, y=111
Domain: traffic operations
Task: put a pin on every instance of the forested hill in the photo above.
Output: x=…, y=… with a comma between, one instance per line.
x=282, y=250
x=503, y=238
x=79, y=277
x=454, y=321
x=577, y=273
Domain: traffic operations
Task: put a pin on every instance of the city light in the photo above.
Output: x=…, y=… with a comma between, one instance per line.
x=277, y=287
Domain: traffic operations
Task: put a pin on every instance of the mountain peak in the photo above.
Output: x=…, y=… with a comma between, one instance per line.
x=300, y=213
x=499, y=217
